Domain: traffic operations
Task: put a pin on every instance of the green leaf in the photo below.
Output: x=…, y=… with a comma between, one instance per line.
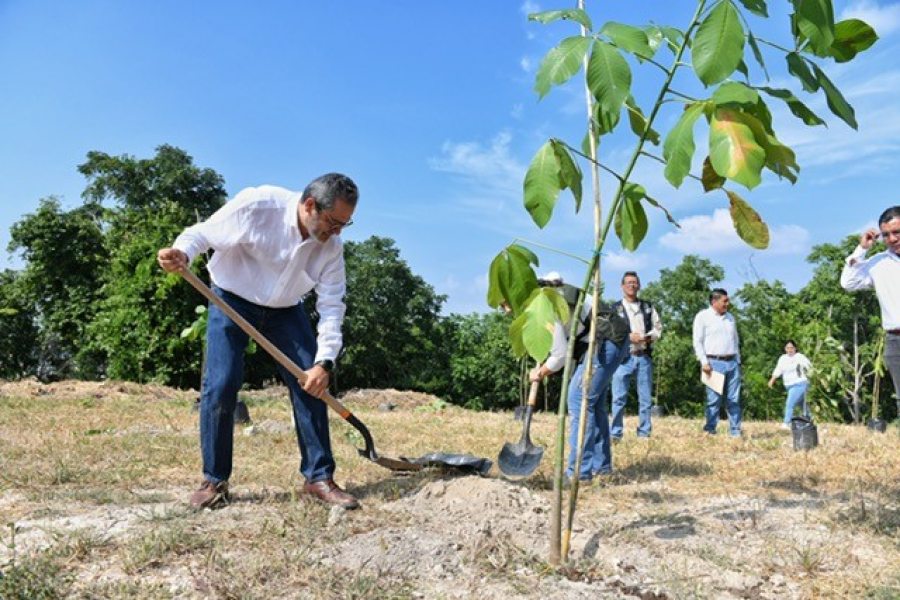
x=836, y=101
x=631, y=220
x=815, y=20
x=639, y=123
x=757, y=54
x=561, y=63
x=536, y=324
x=800, y=110
x=569, y=172
x=678, y=149
x=719, y=44
x=654, y=37
x=780, y=159
x=851, y=37
x=604, y=120
x=572, y=14
x=733, y=150
x=747, y=222
x=608, y=77
x=798, y=68
x=629, y=38
x=710, y=179
x=757, y=7
x=673, y=37
x=733, y=92
x=511, y=280
x=743, y=70
x=542, y=184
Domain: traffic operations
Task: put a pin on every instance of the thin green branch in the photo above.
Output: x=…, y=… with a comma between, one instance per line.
x=774, y=45
x=663, y=161
x=679, y=94
x=592, y=160
x=551, y=249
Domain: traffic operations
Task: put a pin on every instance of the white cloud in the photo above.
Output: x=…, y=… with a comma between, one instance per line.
x=883, y=19
x=624, y=261
x=526, y=64
x=518, y=110
x=488, y=167
x=529, y=7
x=707, y=235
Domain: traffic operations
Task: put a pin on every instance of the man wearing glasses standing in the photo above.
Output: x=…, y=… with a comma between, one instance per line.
x=645, y=330
x=271, y=247
x=881, y=271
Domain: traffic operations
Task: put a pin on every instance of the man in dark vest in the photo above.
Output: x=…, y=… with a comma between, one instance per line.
x=645, y=329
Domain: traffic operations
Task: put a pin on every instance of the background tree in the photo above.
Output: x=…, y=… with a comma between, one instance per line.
x=18, y=329
x=65, y=260
x=482, y=373
x=678, y=295
x=142, y=311
x=391, y=334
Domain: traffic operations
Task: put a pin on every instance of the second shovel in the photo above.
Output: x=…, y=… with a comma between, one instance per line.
x=522, y=458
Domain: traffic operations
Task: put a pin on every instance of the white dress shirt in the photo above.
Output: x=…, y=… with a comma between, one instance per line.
x=261, y=256
x=792, y=368
x=715, y=334
x=882, y=272
x=636, y=318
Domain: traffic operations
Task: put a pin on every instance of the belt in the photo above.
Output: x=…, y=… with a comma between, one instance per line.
x=721, y=356
x=640, y=352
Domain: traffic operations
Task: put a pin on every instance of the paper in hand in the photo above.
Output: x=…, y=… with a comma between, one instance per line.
x=714, y=381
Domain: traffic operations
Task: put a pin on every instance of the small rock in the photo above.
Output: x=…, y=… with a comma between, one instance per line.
x=336, y=515
x=251, y=430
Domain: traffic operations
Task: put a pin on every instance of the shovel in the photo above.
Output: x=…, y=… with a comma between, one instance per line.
x=522, y=458
x=369, y=451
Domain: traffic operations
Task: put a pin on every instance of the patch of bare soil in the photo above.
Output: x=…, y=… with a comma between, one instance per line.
x=646, y=532
x=99, y=390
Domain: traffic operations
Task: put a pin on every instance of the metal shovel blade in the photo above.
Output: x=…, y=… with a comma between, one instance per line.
x=522, y=458
x=519, y=459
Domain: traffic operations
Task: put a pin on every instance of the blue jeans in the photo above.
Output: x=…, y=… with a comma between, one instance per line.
x=732, y=397
x=596, y=457
x=796, y=394
x=289, y=330
x=643, y=365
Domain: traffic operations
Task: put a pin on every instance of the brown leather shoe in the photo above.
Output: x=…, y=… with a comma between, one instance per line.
x=210, y=494
x=328, y=492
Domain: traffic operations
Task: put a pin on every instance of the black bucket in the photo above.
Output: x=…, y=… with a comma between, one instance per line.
x=879, y=425
x=806, y=437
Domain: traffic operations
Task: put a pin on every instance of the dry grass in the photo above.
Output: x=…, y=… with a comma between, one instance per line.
x=94, y=479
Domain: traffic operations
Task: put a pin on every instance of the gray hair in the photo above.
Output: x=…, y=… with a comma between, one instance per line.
x=891, y=213
x=716, y=294
x=328, y=188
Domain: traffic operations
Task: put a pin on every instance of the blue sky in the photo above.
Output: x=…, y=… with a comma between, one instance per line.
x=429, y=106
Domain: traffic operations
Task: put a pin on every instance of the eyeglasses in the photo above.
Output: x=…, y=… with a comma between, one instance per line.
x=892, y=232
x=334, y=224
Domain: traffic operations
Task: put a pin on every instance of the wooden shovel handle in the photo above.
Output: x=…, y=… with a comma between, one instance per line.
x=260, y=339
x=533, y=393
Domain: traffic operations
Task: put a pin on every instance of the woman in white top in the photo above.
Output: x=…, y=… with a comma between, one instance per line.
x=792, y=367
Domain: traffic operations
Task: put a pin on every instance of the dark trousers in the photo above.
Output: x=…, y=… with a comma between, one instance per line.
x=289, y=330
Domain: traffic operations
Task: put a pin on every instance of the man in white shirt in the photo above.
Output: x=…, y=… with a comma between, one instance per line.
x=645, y=329
x=881, y=271
x=272, y=246
x=717, y=347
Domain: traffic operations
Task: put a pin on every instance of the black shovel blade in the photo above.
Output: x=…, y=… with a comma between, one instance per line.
x=520, y=459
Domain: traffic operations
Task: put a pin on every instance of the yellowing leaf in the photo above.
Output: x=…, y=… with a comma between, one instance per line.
x=747, y=222
x=733, y=150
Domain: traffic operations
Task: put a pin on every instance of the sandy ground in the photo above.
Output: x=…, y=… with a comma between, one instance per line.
x=451, y=536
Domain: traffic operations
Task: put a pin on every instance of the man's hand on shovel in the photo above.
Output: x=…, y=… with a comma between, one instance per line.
x=172, y=260
x=317, y=380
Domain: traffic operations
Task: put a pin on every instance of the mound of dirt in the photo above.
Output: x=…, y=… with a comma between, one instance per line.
x=400, y=400
x=456, y=521
x=99, y=390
